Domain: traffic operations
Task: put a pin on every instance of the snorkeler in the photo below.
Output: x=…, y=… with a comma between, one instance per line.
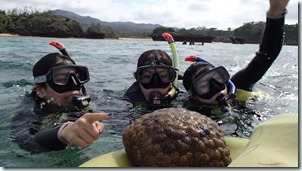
x=210, y=87
x=60, y=113
x=154, y=79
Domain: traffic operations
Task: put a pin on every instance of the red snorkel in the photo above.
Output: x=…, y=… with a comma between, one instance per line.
x=79, y=101
x=191, y=58
x=59, y=46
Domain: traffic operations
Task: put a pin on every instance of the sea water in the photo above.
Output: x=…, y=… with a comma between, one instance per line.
x=111, y=64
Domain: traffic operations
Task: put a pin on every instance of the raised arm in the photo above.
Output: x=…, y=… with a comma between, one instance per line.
x=269, y=49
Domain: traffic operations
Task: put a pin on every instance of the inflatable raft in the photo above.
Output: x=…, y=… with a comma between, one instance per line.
x=274, y=143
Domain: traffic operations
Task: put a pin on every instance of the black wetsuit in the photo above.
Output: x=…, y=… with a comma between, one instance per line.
x=134, y=94
x=269, y=49
x=35, y=129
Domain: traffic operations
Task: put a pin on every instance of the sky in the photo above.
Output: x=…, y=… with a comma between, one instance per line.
x=220, y=14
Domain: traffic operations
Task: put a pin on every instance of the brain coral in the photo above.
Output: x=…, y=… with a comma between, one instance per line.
x=176, y=137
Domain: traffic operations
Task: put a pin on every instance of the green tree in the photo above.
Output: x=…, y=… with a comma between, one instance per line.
x=160, y=30
x=251, y=31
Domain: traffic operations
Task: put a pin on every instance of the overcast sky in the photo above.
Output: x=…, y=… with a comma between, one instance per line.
x=220, y=14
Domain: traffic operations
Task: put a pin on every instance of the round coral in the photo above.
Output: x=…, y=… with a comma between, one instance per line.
x=176, y=137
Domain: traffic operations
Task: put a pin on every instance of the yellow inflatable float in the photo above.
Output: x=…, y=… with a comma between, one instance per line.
x=273, y=143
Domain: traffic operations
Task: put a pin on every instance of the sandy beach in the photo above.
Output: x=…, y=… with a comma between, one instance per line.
x=8, y=35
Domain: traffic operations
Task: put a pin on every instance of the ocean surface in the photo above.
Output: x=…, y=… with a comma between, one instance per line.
x=111, y=64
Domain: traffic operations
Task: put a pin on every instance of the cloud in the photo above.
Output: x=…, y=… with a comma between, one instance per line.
x=172, y=13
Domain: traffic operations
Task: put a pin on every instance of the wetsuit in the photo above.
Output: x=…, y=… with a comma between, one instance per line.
x=35, y=129
x=244, y=80
x=134, y=94
x=270, y=47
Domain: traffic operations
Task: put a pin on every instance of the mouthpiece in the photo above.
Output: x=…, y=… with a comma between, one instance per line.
x=80, y=101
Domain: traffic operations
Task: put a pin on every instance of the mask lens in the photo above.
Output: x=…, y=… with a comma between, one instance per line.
x=146, y=73
x=61, y=74
x=202, y=83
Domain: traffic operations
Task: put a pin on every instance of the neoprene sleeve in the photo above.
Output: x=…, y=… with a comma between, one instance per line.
x=49, y=139
x=270, y=47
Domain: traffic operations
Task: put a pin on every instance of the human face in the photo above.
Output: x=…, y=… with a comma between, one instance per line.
x=214, y=100
x=65, y=77
x=155, y=76
x=61, y=99
x=60, y=95
x=207, y=84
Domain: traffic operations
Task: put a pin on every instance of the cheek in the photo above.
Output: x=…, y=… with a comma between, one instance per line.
x=165, y=91
x=41, y=94
x=225, y=91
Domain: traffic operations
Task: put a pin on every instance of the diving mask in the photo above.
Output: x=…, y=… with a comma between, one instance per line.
x=65, y=77
x=155, y=76
x=211, y=82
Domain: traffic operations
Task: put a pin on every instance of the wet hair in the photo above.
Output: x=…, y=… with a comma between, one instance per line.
x=155, y=57
x=47, y=62
x=193, y=71
x=43, y=66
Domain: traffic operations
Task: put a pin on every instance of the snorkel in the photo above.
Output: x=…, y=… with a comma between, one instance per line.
x=156, y=99
x=169, y=38
x=226, y=100
x=79, y=101
x=59, y=46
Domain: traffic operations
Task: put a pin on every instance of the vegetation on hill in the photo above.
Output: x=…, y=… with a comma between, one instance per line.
x=251, y=32
x=29, y=22
x=59, y=23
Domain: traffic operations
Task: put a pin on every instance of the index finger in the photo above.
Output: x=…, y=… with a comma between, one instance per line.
x=91, y=117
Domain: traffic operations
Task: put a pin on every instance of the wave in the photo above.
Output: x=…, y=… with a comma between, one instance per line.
x=15, y=65
x=14, y=83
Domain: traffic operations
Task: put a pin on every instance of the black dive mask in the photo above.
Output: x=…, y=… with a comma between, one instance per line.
x=65, y=77
x=215, y=87
x=72, y=84
x=210, y=83
x=155, y=76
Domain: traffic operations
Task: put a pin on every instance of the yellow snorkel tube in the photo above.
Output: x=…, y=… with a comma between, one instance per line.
x=169, y=38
